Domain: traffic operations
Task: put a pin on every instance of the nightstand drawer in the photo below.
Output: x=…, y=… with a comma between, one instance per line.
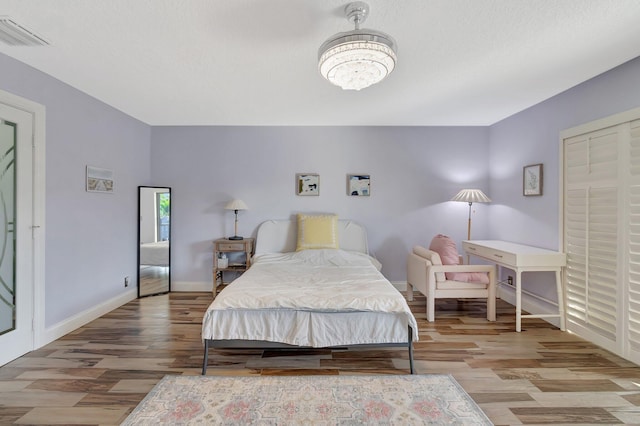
x=231, y=246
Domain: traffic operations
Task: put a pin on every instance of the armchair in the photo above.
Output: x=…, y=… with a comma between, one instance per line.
x=426, y=273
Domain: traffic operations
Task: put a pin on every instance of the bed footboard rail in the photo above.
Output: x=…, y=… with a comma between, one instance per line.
x=268, y=345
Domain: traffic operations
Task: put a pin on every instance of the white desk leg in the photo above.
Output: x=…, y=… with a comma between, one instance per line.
x=518, y=301
x=560, y=290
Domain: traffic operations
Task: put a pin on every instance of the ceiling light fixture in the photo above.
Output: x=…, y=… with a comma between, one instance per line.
x=357, y=59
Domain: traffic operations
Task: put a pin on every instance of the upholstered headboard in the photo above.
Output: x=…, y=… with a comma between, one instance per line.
x=280, y=236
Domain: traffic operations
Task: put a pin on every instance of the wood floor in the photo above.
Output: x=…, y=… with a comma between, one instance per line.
x=100, y=372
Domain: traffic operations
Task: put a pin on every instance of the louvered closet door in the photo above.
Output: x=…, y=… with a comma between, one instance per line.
x=591, y=241
x=633, y=252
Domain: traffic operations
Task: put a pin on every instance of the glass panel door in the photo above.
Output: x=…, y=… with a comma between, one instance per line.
x=8, y=141
x=16, y=233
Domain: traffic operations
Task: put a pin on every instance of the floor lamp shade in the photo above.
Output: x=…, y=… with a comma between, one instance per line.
x=471, y=196
x=236, y=205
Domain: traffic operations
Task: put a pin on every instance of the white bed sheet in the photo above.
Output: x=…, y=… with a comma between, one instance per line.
x=314, y=298
x=155, y=254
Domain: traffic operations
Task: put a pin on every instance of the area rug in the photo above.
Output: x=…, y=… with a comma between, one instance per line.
x=308, y=400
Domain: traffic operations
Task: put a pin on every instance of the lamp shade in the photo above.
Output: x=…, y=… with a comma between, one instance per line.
x=236, y=205
x=471, y=196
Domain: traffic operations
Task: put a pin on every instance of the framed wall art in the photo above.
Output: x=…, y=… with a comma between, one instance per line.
x=359, y=185
x=532, y=180
x=99, y=180
x=307, y=184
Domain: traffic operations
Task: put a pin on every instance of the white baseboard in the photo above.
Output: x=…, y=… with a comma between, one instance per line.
x=191, y=286
x=78, y=320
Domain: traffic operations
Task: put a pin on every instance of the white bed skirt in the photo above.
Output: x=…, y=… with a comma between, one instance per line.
x=306, y=328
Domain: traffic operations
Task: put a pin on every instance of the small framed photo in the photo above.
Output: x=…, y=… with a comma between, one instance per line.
x=99, y=180
x=359, y=185
x=307, y=184
x=532, y=180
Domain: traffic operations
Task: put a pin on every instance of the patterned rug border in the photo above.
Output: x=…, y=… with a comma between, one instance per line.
x=320, y=400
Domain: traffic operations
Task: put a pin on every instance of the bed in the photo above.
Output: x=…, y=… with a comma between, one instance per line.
x=317, y=298
x=154, y=254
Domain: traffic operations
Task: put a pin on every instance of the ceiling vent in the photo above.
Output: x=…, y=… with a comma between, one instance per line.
x=14, y=34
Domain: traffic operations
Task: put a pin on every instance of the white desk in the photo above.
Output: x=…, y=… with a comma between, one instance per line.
x=521, y=258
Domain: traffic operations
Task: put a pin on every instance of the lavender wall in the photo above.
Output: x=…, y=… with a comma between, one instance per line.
x=90, y=238
x=532, y=136
x=414, y=172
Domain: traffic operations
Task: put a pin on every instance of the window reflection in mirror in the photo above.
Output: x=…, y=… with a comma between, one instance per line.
x=154, y=234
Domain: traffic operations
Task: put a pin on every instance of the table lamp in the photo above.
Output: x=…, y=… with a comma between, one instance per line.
x=236, y=205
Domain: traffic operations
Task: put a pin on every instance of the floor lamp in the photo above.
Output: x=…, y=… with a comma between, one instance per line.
x=236, y=205
x=471, y=196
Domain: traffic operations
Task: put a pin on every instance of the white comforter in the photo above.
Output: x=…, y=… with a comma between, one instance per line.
x=315, y=281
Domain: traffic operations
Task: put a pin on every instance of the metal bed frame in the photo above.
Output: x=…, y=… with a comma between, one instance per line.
x=260, y=344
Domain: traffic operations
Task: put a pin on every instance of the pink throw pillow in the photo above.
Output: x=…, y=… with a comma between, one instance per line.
x=446, y=248
x=448, y=252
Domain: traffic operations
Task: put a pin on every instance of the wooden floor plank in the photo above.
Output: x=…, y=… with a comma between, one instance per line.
x=100, y=372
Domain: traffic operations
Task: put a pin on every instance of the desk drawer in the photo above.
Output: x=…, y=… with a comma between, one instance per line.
x=493, y=255
x=515, y=255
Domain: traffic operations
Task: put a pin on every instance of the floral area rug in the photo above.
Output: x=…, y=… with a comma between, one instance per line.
x=308, y=400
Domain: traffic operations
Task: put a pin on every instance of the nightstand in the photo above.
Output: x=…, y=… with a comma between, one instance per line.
x=237, y=263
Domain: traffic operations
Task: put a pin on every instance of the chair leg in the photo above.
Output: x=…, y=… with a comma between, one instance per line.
x=431, y=307
x=409, y=291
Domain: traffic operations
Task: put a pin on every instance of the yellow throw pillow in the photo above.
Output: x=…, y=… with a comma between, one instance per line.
x=317, y=231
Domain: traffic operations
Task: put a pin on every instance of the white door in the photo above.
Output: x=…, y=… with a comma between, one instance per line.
x=16, y=240
x=632, y=265
x=591, y=241
x=601, y=209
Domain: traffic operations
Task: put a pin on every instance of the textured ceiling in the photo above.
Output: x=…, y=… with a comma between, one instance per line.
x=254, y=62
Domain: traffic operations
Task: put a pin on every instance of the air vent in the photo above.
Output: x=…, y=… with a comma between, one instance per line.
x=14, y=34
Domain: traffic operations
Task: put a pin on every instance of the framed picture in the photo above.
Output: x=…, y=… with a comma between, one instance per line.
x=307, y=184
x=359, y=185
x=532, y=180
x=99, y=180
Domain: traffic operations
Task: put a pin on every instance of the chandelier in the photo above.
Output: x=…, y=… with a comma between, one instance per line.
x=357, y=59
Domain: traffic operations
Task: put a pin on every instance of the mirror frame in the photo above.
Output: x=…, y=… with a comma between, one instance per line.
x=140, y=188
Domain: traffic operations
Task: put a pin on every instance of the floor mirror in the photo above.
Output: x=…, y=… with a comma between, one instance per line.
x=154, y=237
